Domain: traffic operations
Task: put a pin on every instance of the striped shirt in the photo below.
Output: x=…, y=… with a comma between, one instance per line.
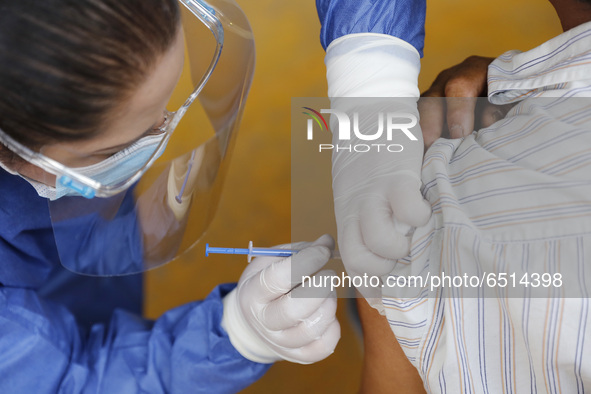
x=511, y=199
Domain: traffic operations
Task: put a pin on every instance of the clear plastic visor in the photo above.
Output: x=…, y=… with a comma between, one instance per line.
x=161, y=191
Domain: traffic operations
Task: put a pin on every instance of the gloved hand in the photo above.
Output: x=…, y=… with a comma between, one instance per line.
x=376, y=193
x=269, y=318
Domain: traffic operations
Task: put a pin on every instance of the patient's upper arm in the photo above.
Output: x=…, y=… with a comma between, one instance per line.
x=385, y=366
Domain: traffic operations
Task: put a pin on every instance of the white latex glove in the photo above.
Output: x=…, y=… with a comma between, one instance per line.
x=269, y=318
x=377, y=194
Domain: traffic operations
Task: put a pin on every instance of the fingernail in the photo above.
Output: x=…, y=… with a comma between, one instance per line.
x=457, y=130
x=313, y=320
x=322, y=250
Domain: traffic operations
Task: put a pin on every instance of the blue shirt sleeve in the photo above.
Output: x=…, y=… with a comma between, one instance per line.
x=185, y=350
x=404, y=19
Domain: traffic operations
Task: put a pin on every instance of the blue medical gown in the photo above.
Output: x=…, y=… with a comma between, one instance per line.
x=404, y=19
x=62, y=332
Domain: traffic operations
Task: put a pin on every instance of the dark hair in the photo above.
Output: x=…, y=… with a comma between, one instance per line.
x=65, y=64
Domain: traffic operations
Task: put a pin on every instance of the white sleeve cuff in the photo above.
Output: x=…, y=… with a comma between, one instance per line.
x=372, y=65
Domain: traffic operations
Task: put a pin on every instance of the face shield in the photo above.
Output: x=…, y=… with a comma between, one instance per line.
x=150, y=202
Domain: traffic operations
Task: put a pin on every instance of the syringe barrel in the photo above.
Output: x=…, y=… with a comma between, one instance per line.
x=272, y=252
x=253, y=252
x=211, y=249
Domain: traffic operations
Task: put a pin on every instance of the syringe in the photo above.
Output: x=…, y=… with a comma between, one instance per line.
x=253, y=252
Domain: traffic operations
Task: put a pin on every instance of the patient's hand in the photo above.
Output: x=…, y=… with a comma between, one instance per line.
x=460, y=85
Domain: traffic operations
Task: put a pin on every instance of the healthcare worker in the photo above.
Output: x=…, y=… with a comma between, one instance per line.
x=92, y=92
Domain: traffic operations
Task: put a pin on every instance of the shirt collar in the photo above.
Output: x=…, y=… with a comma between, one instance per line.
x=551, y=66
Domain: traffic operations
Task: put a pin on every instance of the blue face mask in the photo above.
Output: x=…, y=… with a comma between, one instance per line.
x=117, y=168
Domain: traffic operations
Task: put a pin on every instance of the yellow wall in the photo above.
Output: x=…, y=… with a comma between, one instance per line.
x=256, y=200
